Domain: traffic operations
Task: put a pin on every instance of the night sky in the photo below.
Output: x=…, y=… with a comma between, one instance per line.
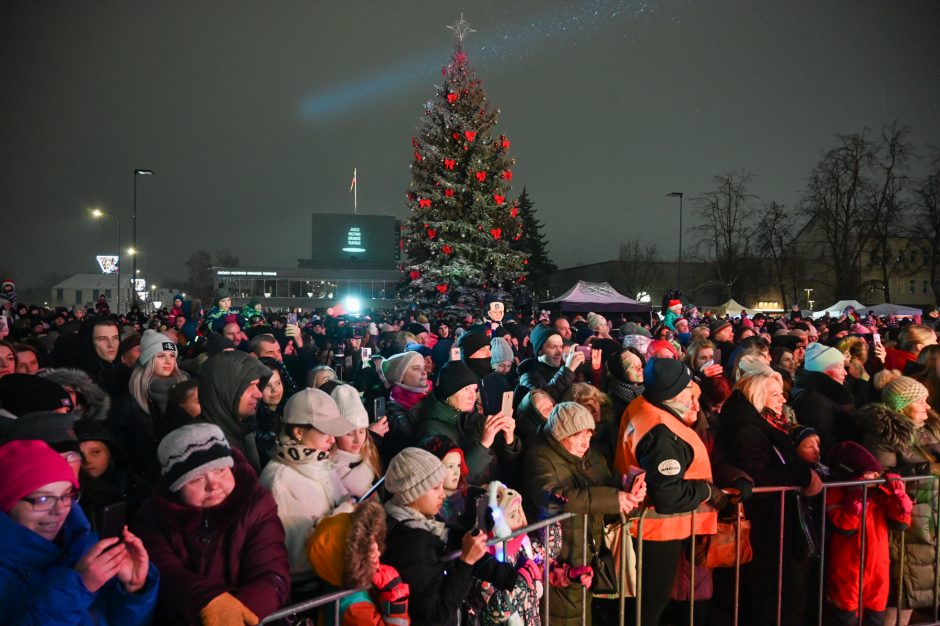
x=253, y=114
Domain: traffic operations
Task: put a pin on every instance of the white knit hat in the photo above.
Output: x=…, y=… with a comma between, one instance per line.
x=819, y=358
x=152, y=344
x=350, y=405
x=394, y=367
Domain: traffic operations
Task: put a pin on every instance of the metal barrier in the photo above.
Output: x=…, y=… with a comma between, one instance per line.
x=935, y=512
x=298, y=610
x=308, y=606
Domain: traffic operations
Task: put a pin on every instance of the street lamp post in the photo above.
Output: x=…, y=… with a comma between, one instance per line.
x=98, y=214
x=679, y=268
x=137, y=172
x=134, y=252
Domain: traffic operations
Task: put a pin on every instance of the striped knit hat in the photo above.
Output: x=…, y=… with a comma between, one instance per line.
x=902, y=391
x=192, y=450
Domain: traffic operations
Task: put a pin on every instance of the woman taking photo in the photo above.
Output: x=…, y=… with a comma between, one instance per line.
x=53, y=568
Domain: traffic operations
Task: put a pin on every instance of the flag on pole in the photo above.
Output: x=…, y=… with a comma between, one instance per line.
x=352, y=185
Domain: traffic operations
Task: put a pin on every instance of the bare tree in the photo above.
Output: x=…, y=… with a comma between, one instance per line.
x=772, y=235
x=639, y=267
x=727, y=217
x=199, y=281
x=835, y=205
x=927, y=221
x=885, y=208
x=225, y=258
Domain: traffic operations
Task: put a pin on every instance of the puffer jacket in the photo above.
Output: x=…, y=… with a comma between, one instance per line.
x=534, y=374
x=909, y=451
x=40, y=586
x=484, y=464
x=826, y=406
x=235, y=547
x=579, y=486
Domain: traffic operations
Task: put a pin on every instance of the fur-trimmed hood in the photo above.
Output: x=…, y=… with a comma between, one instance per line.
x=893, y=428
x=338, y=549
x=98, y=403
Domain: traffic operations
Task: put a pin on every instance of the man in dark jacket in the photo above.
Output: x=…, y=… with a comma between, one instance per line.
x=821, y=399
x=545, y=370
x=721, y=333
x=230, y=385
x=94, y=349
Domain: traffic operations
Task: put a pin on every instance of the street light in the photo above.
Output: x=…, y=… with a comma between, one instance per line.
x=673, y=194
x=98, y=214
x=134, y=252
x=137, y=172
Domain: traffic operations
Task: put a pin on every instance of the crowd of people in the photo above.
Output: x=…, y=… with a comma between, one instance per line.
x=211, y=466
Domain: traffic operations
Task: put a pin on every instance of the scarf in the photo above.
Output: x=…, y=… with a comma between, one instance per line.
x=626, y=392
x=412, y=519
x=312, y=464
x=160, y=391
x=777, y=420
x=408, y=397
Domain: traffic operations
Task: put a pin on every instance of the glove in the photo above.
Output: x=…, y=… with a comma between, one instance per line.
x=583, y=574
x=531, y=573
x=391, y=591
x=716, y=497
x=894, y=484
x=227, y=610
x=744, y=487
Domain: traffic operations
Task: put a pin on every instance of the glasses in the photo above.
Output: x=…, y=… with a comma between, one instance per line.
x=46, y=503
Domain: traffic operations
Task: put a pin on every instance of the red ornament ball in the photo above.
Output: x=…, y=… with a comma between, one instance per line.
x=496, y=232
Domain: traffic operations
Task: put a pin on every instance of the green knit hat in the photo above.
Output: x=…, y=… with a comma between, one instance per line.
x=903, y=391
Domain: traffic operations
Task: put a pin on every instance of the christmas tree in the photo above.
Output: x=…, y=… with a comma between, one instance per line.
x=462, y=238
x=533, y=245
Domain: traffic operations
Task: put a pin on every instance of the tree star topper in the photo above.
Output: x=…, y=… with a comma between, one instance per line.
x=461, y=28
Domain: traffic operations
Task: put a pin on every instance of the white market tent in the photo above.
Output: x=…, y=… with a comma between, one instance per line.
x=836, y=309
x=890, y=309
x=598, y=297
x=735, y=308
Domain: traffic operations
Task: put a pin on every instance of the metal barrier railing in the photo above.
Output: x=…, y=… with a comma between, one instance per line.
x=299, y=609
x=307, y=606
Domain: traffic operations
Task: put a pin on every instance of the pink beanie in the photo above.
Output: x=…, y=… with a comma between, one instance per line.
x=28, y=465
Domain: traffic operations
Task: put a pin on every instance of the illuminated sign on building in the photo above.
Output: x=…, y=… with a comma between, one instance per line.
x=108, y=263
x=354, y=240
x=244, y=273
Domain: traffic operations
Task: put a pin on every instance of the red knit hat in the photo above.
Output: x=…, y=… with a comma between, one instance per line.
x=27, y=465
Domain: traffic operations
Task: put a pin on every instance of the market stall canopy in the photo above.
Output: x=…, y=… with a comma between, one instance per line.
x=597, y=297
x=890, y=309
x=836, y=309
x=733, y=307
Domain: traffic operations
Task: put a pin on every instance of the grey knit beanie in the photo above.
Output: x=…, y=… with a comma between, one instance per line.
x=500, y=351
x=412, y=473
x=569, y=418
x=395, y=366
x=192, y=450
x=152, y=344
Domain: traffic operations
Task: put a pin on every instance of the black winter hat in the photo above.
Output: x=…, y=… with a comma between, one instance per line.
x=55, y=429
x=454, y=376
x=26, y=393
x=664, y=379
x=217, y=342
x=540, y=335
x=96, y=430
x=470, y=342
x=416, y=329
x=717, y=325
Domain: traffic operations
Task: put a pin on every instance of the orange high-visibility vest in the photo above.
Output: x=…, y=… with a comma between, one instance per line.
x=641, y=417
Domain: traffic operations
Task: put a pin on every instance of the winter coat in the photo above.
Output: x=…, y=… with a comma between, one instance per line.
x=39, y=585
x=909, y=451
x=139, y=434
x=534, y=374
x=588, y=487
x=402, y=412
x=97, y=403
x=485, y=464
x=235, y=547
x=842, y=560
x=78, y=350
x=304, y=493
x=437, y=587
x=752, y=445
x=826, y=406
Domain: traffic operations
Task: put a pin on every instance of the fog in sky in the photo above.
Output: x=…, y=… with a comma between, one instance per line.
x=254, y=114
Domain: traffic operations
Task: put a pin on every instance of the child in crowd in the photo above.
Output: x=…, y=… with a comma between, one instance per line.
x=888, y=507
x=355, y=455
x=344, y=550
x=807, y=442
